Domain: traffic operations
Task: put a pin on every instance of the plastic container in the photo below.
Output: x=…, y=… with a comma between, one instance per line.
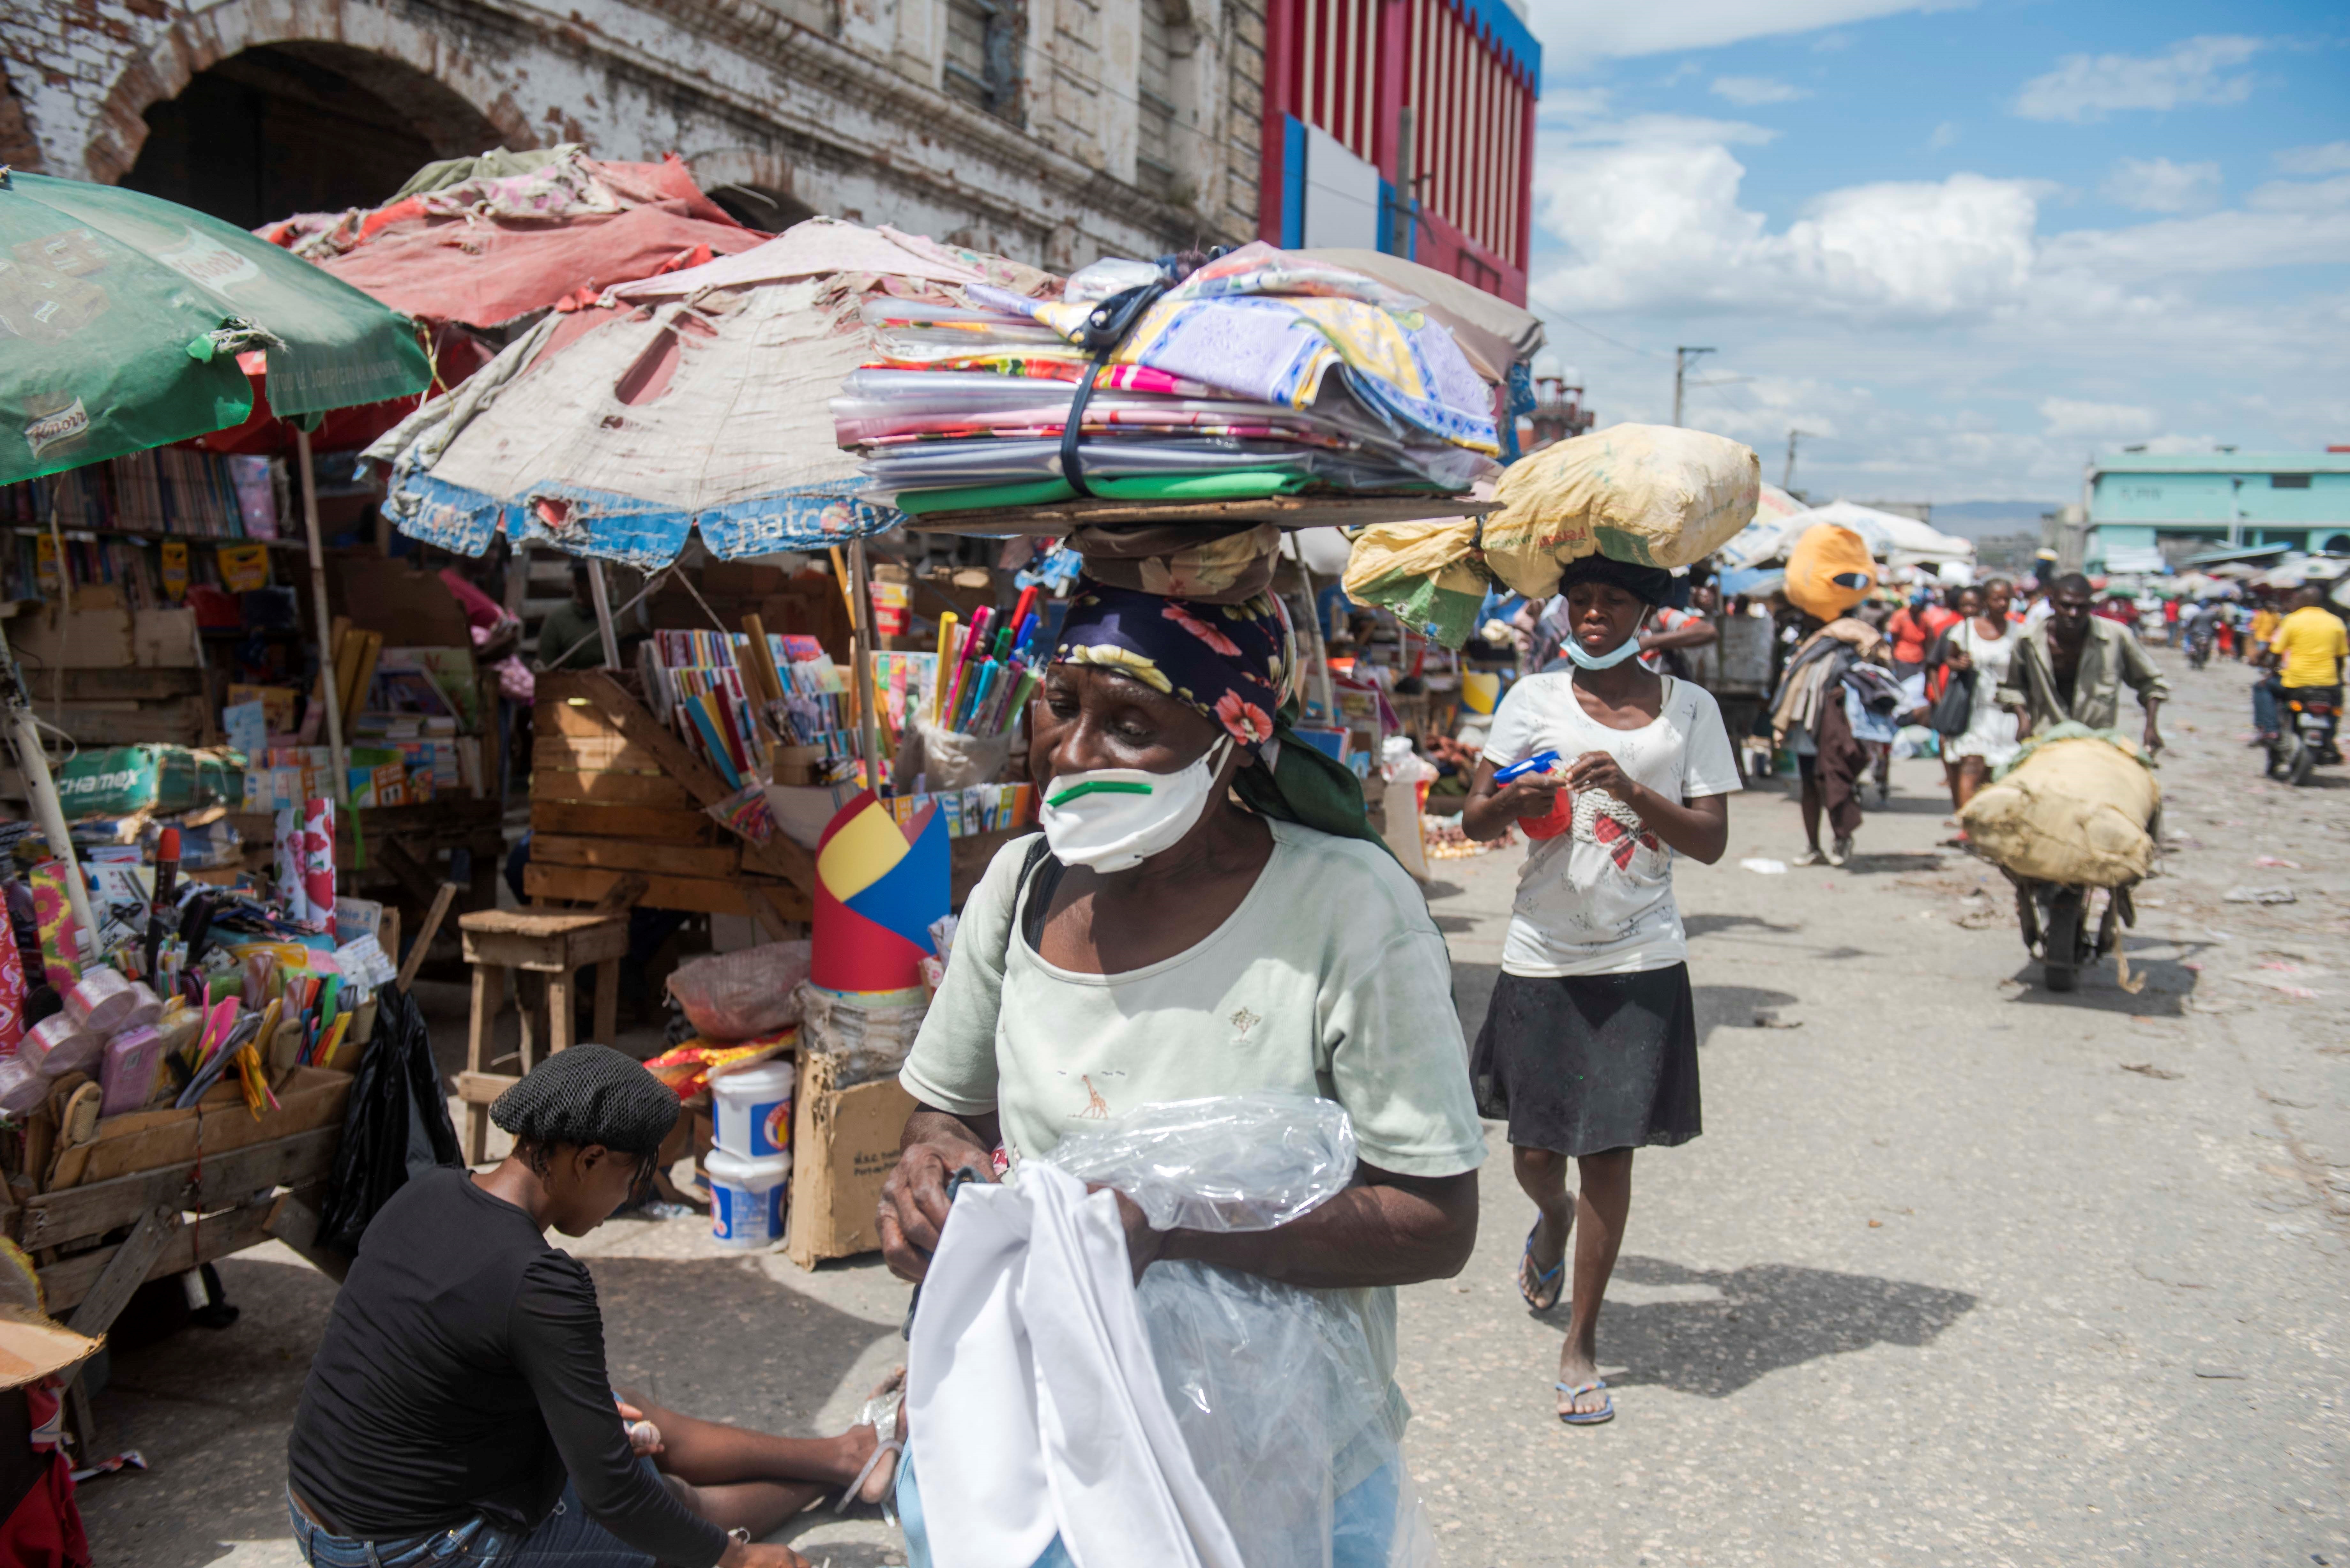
x=754, y=1110
x=57, y=1045
x=746, y=1198
x=127, y=1070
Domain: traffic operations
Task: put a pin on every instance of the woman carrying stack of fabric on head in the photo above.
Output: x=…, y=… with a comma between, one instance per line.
x=1589, y=1049
x=1208, y=912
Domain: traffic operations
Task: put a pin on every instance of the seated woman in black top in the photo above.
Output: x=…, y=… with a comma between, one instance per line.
x=458, y=1411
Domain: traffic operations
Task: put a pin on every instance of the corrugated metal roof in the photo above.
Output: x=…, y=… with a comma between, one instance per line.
x=2222, y=463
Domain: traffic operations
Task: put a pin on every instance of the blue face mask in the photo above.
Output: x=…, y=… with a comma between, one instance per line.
x=1628, y=649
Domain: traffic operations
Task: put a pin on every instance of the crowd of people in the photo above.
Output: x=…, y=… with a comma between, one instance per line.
x=1207, y=911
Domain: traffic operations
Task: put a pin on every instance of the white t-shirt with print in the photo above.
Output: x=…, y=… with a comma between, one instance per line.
x=1599, y=898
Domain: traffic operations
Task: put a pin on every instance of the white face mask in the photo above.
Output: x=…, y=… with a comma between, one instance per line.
x=1113, y=819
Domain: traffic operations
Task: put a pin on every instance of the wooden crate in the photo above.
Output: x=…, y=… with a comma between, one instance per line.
x=615, y=794
x=309, y=1098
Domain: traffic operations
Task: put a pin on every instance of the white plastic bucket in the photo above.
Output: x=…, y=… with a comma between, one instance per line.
x=746, y=1198
x=754, y=1110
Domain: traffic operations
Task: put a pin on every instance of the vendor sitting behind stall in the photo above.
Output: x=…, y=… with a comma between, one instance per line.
x=570, y=636
x=457, y=1412
x=1207, y=913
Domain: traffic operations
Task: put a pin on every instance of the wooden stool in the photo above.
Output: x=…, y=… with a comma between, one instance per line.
x=553, y=943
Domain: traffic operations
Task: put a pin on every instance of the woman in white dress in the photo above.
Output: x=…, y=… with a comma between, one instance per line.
x=1983, y=644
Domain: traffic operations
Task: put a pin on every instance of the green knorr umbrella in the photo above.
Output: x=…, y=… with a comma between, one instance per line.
x=122, y=316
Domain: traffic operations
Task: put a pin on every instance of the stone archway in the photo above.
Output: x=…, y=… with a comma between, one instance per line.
x=299, y=128
x=18, y=150
x=755, y=187
x=442, y=87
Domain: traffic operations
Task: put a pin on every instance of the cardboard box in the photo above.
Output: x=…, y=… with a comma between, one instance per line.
x=845, y=1144
x=169, y=779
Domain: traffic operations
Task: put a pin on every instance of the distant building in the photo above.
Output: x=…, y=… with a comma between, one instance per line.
x=1052, y=131
x=1403, y=126
x=2146, y=509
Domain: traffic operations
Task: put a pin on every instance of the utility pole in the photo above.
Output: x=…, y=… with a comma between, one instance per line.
x=1683, y=358
x=1787, y=480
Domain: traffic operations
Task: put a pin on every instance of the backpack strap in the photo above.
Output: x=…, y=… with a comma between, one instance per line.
x=1029, y=916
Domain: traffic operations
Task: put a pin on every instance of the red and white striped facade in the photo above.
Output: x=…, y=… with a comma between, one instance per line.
x=1470, y=72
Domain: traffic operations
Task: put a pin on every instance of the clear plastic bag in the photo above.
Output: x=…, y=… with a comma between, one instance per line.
x=742, y=995
x=951, y=759
x=1280, y=1394
x=1235, y=1162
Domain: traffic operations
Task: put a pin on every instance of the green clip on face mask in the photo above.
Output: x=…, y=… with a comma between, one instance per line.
x=1113, y=819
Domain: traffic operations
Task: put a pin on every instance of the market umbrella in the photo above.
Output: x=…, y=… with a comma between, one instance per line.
x=129, y=313
x=696, y=401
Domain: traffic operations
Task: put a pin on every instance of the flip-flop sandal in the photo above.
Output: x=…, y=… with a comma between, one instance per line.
x=880, y=1413
x=1575, y=1391
x=1542, y=1279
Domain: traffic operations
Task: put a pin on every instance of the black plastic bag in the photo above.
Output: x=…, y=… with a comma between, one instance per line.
x=396, y=1125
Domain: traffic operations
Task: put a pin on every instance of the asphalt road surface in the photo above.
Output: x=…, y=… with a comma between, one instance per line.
x=1961, y=1271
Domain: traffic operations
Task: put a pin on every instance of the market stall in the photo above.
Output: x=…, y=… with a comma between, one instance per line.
x=175, y=1052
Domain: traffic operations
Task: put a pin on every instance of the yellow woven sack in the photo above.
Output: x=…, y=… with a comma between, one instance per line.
x=1829, y=571
x=2073, y=811
x=1655, y=494
x=1422, y=572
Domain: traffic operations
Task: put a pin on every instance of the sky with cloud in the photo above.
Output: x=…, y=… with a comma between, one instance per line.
x=1960, y=245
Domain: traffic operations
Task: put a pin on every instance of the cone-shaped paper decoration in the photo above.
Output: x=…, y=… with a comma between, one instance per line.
x=878, y=886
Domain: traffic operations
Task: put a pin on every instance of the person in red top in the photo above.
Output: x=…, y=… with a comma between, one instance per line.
x=1915, y=627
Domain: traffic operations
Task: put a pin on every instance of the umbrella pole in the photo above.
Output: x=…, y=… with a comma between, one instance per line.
x=339, y=791
x=1315, y=650
x=861, y=631
x=603, y=598
x=24, y=734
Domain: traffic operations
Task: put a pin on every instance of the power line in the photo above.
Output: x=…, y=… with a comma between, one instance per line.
x=1594, y=331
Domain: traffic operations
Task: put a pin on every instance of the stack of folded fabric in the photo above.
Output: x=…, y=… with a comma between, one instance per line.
x=1262, y=373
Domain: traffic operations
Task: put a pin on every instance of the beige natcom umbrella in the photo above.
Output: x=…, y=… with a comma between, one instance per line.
x=33, y=1344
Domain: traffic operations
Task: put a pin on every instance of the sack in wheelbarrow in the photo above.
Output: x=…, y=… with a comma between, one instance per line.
x=2075, y=808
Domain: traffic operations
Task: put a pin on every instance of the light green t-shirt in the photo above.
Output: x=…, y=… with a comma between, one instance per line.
x=1330, y=979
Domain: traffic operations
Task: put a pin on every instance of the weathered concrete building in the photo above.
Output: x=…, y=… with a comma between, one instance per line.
x=1049, y=130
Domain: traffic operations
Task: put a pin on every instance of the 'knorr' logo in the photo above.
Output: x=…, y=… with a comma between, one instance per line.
x=56, y=429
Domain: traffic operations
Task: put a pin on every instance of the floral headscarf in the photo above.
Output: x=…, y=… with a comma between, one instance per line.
x=1236, y=664
x=1233, y=663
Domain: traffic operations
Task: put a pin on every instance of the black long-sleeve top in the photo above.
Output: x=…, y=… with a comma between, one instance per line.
x=462, y=1374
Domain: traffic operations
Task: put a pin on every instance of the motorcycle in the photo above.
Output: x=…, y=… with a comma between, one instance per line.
x=2056, y=928
x=2307, y=737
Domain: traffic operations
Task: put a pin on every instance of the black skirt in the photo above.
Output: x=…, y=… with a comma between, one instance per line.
x=1583, y=1063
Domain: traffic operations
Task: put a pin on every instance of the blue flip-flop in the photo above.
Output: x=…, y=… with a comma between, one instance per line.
x=1575, y=1391
x=1541, y=1278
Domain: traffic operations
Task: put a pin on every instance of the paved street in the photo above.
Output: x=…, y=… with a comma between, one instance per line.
x=1960, y=1273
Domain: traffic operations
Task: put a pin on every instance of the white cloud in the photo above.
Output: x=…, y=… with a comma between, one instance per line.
x=2090, y=87
x=2284, y=222
x=1747, y=92
x=1945, y=135
x=2158, y=185
x=1648, y=212
x=1585, y=30
x=2334, y=158
x=1952, y=348
x=2068, y=418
